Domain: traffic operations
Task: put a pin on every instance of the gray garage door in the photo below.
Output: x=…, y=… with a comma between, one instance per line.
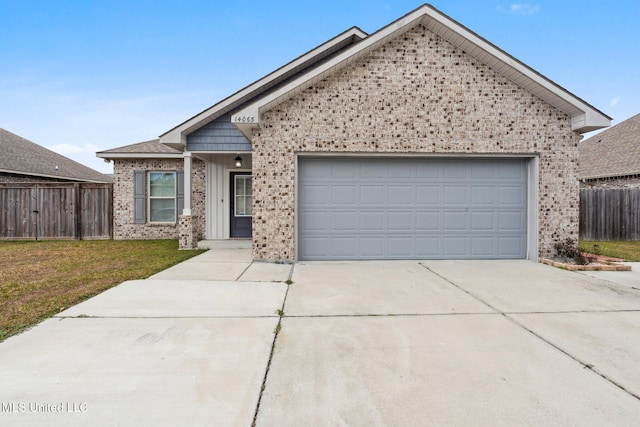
x=401, y=208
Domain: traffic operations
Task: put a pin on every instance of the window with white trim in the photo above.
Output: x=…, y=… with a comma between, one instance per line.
x=162, y=196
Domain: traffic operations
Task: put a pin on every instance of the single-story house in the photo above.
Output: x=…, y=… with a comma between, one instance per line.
x=611, y=159
x=25, y=161
x=422, y=140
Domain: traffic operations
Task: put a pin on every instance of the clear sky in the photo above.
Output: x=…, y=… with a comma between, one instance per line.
x=80, y=76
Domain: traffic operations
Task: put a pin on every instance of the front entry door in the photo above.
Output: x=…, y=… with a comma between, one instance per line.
x=240, y=204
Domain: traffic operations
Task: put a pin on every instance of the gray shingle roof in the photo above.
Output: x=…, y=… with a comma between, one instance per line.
x=21, y=156
x=613, y=152
x=147, y=147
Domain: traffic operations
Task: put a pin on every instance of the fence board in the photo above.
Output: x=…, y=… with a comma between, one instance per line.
x=55, y=211
x=610, y=214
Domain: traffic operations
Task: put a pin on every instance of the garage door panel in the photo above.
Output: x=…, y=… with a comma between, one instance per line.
x=427, y=195
x=400, y=221
x=482, y=247
x=314, y=170
x=483, y=221
x=345, y=221
x=455, y=194
x=316, y=221
x=373, y=247
x=344, y=246
x=372, y=194
x=372, y=170
x=455, y=170
x=372, y=221
x=389, y=208
x=316, y=247
x=511, y=195
x=455, y=221
x=343, y=195
x=507, y=246
x=427, y=221
x=345, y=171
x=483, y=195
x=401, y=195
x=427, y=172
x=315, y=194
x=511, y=221
x=428, y=247
x=401, y=247
x=483, y=171
x=400, y=171
x=454, y=247
x=511, y=170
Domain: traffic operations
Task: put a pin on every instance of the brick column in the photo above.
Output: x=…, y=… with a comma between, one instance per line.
x=188, y=229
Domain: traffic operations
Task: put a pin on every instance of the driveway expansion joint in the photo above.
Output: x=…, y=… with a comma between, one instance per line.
x=244, y=271
x=324, y=316
x=164, y=317
x=585, y=365
x=280, y=313
x=507, y=316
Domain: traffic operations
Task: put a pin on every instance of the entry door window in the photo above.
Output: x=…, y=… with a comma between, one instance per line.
x=242, y=187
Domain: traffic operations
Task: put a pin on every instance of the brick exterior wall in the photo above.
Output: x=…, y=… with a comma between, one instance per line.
x=416, y=94
x=123, y=182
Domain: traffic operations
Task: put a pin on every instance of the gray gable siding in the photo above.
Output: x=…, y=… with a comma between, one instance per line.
x=219, y=135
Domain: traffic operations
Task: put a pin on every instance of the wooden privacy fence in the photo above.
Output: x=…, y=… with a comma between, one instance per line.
x=32, y=211
x=610, y=214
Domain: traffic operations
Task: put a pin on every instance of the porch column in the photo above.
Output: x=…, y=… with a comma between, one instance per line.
x=187, y=183
x=188, y=225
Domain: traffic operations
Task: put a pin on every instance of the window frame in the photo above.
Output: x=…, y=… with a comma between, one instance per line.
x=244, y=196
x=174, y=198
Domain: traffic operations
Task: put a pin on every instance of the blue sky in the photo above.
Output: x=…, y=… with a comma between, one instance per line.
x=79, y=76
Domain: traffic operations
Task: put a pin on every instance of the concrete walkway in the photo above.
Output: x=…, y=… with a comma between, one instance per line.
x=360, y=343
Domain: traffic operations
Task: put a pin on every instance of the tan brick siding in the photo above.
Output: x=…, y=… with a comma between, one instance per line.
x=416, y=94
x=123, y=226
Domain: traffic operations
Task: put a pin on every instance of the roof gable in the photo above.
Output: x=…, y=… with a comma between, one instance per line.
x=176, y=137
x=23, y=157
x=584, y=117
x=612, y=153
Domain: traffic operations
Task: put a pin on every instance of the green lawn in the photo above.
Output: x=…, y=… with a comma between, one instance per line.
x=40, y=279
x=627, y=250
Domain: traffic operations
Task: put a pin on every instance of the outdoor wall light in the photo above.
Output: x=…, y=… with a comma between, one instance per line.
x=238, y=161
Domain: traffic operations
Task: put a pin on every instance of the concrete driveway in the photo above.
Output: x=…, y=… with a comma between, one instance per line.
x=360, y=343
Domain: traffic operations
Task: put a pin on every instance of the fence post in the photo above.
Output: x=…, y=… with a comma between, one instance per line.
x=77, y=232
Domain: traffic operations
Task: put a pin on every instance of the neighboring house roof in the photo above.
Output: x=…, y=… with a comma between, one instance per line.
x=23, y=157
x=348, y=47
x=152, y=149
x=614, y=152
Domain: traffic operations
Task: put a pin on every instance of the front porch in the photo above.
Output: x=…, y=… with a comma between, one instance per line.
x=225, y=199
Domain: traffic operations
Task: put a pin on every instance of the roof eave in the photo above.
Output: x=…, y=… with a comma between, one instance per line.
x=589, y=121
x=44, y=175
x=610, y=176
x=111, y=156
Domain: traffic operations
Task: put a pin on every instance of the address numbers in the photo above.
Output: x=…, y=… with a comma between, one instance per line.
x=244, y=119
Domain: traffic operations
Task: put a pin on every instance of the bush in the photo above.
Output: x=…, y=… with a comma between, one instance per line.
x=569, y=251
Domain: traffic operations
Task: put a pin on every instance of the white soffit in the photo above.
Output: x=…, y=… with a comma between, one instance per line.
x=584, y=117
